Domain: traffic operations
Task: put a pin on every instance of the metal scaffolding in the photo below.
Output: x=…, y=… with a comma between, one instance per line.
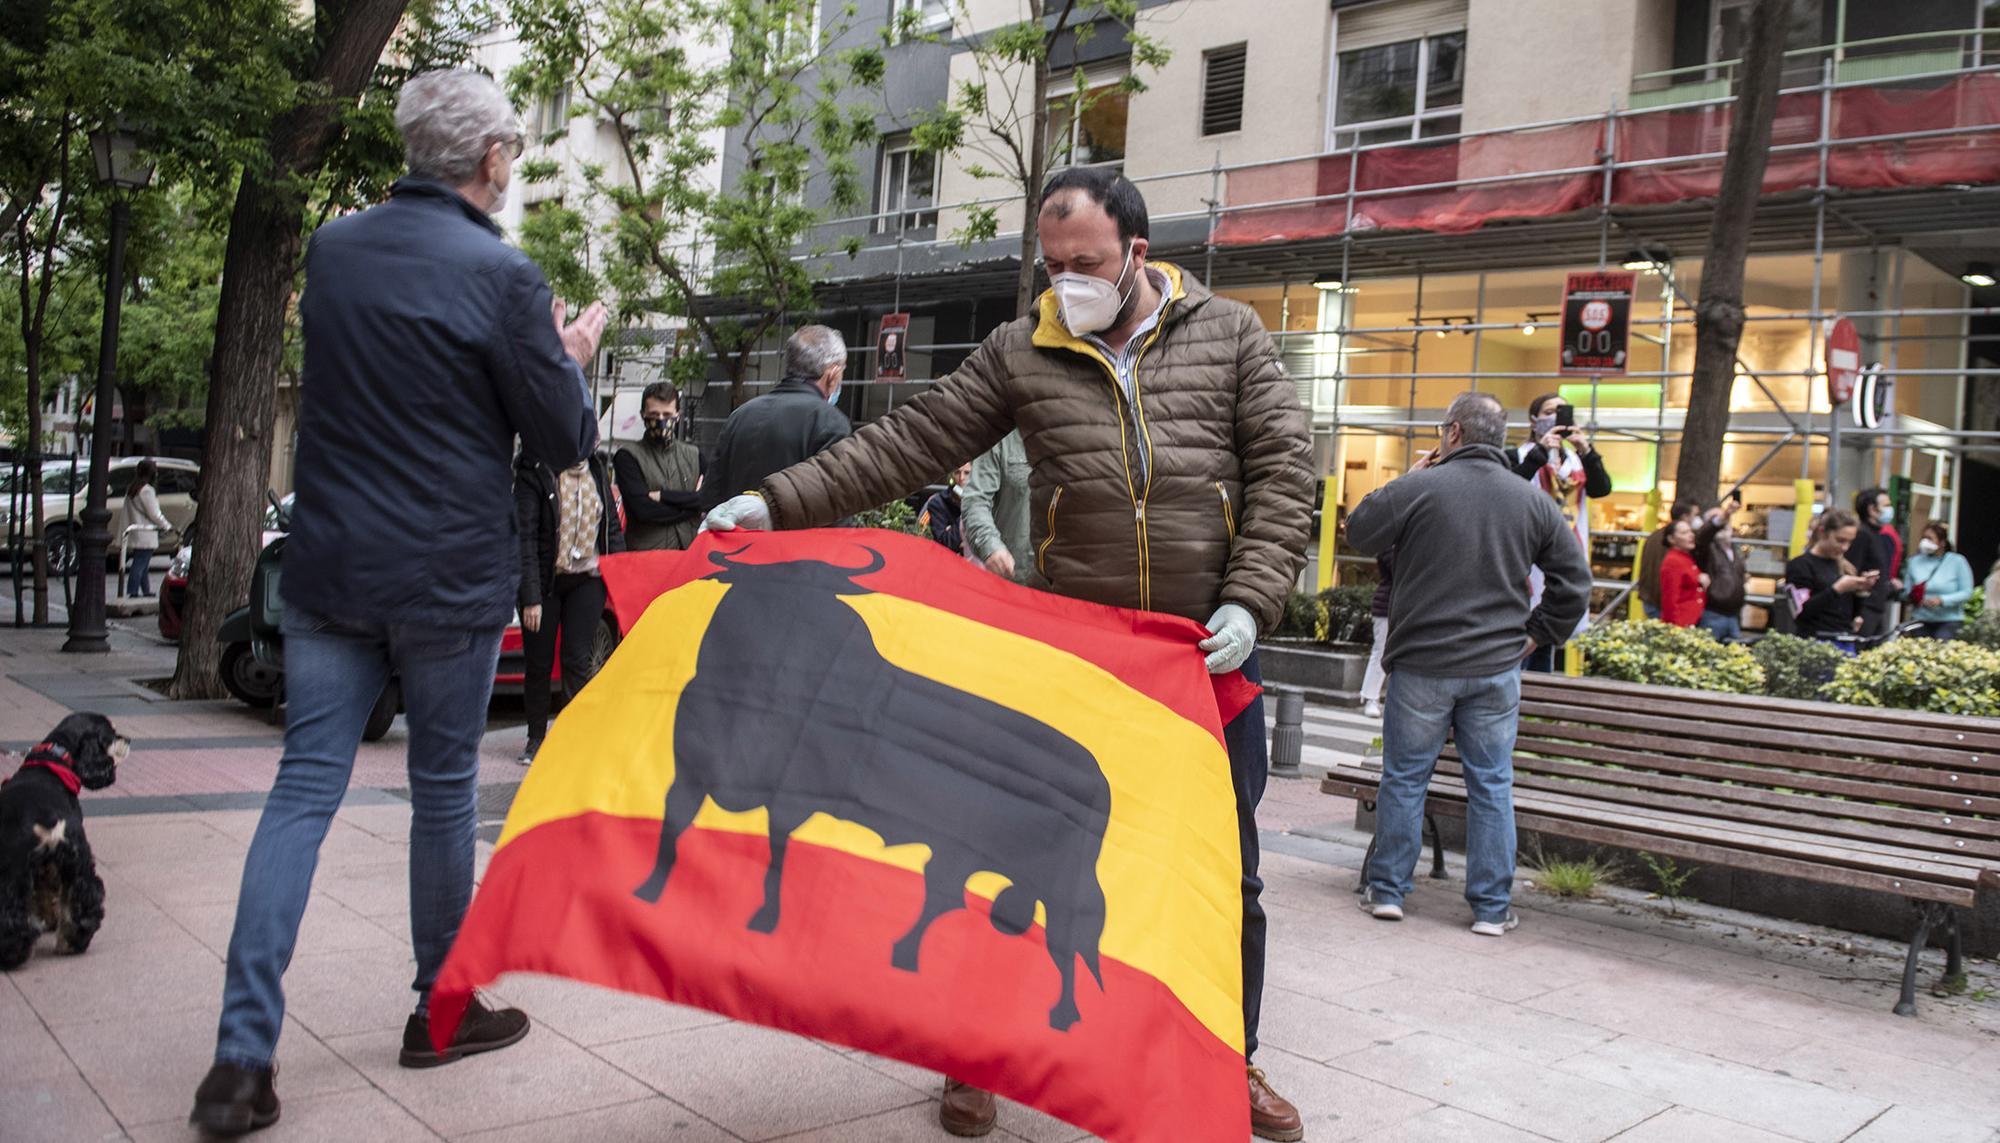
x=1823, y=217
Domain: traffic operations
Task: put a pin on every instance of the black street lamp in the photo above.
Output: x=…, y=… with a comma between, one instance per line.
x=121, y=167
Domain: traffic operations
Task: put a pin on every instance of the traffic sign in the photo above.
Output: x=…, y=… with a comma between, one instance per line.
x=1843, y=361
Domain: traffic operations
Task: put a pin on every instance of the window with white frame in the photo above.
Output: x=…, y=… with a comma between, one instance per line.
x=1410, y=89
x=549, y=116
x=1090, y=131
x=931, y=15
x=908, y=197
x=796, y=35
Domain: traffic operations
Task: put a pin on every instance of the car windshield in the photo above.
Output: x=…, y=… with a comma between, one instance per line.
x=55, y=477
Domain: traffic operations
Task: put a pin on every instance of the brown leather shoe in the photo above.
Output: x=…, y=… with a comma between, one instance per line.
x=1271, y=1115
x=969, y=1111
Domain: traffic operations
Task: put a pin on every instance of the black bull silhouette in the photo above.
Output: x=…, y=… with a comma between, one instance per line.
x=834, y=727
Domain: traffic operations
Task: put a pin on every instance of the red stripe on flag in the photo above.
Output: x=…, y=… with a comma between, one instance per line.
x=558, y=900
x=925, y=572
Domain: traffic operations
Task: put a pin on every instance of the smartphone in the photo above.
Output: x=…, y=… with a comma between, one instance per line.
x=1565, y=416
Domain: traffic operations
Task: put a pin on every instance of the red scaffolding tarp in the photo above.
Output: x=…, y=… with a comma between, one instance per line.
x=1553, y=170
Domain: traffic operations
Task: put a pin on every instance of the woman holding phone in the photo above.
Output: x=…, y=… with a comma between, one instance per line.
x=1562, y=462
x=1823, y=587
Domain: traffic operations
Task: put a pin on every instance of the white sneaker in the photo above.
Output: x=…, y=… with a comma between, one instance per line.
x=1380, y=910
x=1496, y=928
x=1371, y=710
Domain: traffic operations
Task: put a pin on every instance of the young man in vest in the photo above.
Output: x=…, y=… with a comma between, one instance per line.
x=658, y=477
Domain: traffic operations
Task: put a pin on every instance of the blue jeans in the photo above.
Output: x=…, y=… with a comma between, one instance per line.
x=137, y=582
x=1484, y=714
x=1725, y=628
x=334, y=673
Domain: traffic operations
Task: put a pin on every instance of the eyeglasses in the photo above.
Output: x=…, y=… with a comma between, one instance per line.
x=514, y=145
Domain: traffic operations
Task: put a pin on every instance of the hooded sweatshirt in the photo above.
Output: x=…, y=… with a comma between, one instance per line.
x=1466, y=532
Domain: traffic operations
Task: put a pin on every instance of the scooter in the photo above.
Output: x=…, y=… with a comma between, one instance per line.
x=253, y=646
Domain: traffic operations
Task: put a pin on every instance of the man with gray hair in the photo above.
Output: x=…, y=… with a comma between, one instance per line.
x=430, y=346
x=794, y=421
x=1466, y=532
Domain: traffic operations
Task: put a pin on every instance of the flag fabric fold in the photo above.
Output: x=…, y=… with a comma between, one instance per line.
x=844, y=784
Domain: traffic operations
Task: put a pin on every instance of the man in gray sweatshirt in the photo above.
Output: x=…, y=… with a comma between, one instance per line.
x=1466, y=532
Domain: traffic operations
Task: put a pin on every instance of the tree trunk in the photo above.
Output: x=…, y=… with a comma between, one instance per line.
x=258, y=268
x=1719, y=314
x=1038, y=168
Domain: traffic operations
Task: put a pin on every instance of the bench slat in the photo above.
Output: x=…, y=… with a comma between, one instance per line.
x=1363, y=788
x=1964, y=731
x=1833, y=744
x=1646, y=756
x=1880, y=858
x=1750, y=803
x=1738, y=835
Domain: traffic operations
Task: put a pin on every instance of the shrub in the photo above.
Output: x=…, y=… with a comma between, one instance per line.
x=1347, y=613
x=1650, y=651
x=1983, y=631
x=1922, y=674
x=1976, y=606
x=895, y=516
x=1795, y=668
x=1303, y=616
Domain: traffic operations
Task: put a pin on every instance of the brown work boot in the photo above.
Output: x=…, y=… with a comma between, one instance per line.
x=1271, y=1115
x=969, y=1111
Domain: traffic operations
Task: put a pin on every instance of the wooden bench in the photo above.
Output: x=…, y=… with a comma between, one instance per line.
x=1896, y=802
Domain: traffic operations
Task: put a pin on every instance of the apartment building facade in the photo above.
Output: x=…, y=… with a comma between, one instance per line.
x=1399, y=187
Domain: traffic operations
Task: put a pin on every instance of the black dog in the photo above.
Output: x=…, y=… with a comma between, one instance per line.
x=834, y=727
x=48, y=881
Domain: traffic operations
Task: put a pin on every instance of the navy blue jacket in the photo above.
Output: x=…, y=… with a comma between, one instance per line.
x=428, y=347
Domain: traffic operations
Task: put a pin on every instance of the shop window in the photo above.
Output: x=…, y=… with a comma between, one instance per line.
x=908, y=196
x=1222, y=75
x=1411, y=89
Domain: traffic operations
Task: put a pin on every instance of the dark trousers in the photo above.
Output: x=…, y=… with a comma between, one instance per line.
x=1874, y=623
x=572, y=606
x=1544, y=660
x=1249, y=766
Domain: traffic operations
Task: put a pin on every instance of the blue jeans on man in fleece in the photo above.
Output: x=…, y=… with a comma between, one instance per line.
x=1725, y=628
x=1483, y=713
x=334, y=672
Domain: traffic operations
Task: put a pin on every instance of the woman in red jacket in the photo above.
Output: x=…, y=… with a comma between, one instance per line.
x=1683, y=586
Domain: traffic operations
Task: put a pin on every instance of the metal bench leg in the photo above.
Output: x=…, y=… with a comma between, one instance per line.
x=1367, y=859
x=1954, y=954
x=1437, y=847
x=1927, y=913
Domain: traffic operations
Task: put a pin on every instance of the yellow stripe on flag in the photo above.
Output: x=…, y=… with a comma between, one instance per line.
x=1169, y=865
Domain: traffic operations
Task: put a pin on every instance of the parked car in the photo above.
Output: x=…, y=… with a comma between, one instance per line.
x=65, y=489
x=174, y=585
x=507, y=677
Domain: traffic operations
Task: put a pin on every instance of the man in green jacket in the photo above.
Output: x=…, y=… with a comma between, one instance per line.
x=995, y=507
x=1170, y=469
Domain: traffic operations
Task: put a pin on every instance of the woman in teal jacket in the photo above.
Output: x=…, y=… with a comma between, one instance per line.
x=1940, y=582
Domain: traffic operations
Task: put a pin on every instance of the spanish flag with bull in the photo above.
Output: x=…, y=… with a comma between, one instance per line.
x=841, y=783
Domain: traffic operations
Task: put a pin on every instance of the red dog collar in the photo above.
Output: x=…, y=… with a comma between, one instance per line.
x=48, y=756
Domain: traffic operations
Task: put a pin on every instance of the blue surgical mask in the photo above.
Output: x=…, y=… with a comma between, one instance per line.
x=1886, y=515
x=835, y=395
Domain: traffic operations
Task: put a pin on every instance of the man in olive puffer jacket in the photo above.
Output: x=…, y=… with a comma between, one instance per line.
x=1170, y=470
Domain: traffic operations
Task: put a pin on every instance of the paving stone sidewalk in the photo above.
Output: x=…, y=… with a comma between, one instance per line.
x=1593, y=1021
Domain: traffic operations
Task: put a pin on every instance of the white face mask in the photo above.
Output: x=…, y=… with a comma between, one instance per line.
x=1088, y=303
x=1927, y=547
